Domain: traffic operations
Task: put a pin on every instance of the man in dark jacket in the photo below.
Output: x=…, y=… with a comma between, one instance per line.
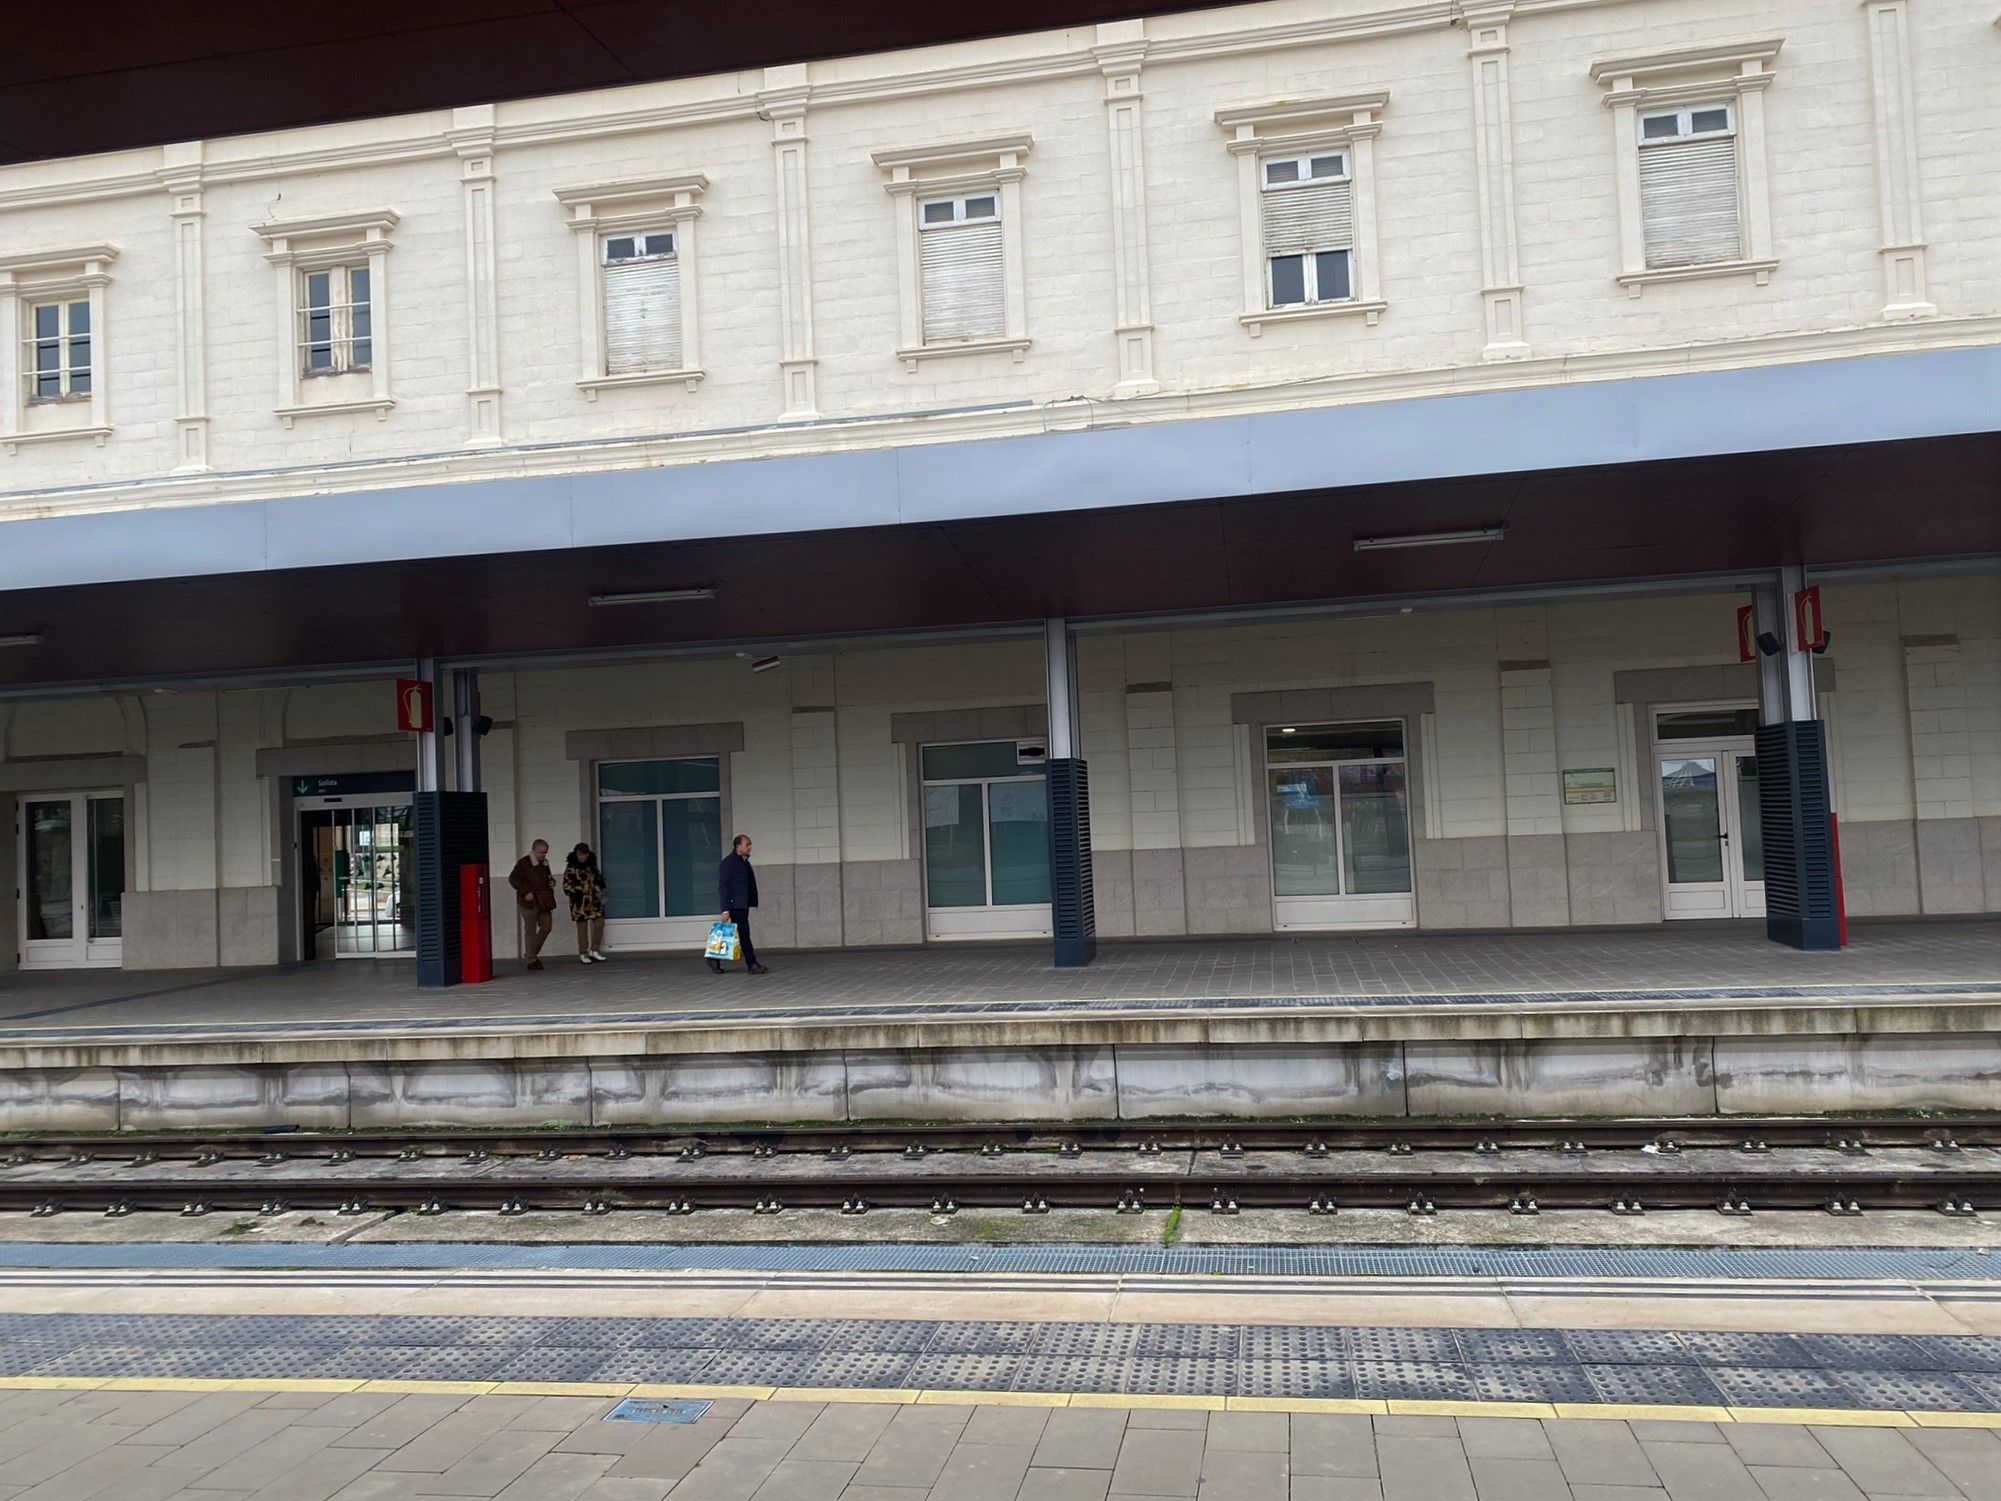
x=736, y=885
x=535, y=895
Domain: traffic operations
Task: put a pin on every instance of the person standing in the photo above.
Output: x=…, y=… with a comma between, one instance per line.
x=737, y=890
x=535, y=895
x=583, y=884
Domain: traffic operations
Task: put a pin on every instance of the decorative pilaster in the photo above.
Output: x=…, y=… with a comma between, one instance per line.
x=783, y=103
x=1494, y=156
x=471, y=135
x=181, y=176
x=1899, y=189
x=1120, y=50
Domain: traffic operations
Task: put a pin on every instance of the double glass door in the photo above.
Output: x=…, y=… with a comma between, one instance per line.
x=72, y=879
x=359, y=879
x=1710, y=832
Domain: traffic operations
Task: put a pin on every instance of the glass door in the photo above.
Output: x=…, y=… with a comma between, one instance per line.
x=1710, y=836
x=375, y=872
x=72, y=862
x=1338, y=804
x=358, y=877
x=986, y=840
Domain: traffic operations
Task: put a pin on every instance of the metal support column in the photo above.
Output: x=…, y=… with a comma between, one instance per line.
x=1793, y=799
x=465, y=729
x=1071, y=893
x=450, y=830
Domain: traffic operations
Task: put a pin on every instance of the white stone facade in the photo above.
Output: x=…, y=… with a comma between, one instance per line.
x=1494, y=220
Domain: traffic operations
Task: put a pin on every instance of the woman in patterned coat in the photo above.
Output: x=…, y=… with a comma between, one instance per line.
x=583, y=884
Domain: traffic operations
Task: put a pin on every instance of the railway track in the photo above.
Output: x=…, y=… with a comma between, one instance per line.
x=1628, y=1167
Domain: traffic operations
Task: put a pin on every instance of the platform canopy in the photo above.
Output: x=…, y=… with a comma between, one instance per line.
x=1924, y=499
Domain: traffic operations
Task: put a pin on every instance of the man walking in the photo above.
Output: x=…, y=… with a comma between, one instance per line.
x=736, y=885
x=535, y=895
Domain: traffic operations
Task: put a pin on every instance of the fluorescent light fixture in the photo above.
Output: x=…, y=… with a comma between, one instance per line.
x=25, y=638
x=1289, y=730
x=765, y=664
x=1431, y=539
x=653, y=596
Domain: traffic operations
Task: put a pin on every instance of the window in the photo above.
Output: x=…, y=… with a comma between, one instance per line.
x=960, y=264
x=333, y=312
x=1308, y=219
x=334, y=321
x=958, y=248
x=637, y=244
x=642, y=303
x=58, y=362
x=1688, y=187
x=52, y=368
x=660, y=834
x=1340, y=809
x=1306, y=194
x=1688, y=127
x=986, y=825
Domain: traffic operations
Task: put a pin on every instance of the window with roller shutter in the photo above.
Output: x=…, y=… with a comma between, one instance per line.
x=960, y=268
x=642, y=303
x=1308, y=216
x=1689, y=196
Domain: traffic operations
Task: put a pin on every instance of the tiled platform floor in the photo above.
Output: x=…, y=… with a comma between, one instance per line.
x=1893, y=959
x=1882, y=1372
x=155, y=1445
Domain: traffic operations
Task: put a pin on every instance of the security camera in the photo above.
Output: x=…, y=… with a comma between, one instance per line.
x=765, y=664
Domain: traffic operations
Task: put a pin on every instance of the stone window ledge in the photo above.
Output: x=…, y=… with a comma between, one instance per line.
x=56, y=435
x=379, y=405
x=591, y=385
x=1369, y=312
x=913, y=354
x=1637, y=281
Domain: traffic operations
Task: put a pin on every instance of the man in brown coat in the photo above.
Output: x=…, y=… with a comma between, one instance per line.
x=535, y=894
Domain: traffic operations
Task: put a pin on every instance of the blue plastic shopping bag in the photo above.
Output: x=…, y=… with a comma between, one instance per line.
x=723, y=942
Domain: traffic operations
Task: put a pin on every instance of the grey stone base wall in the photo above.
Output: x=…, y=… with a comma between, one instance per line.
x=171, y=930
x=1639, y=1076
x=1228, y=888
x=1615, y=878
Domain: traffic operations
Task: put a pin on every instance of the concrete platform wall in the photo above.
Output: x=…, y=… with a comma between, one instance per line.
x=1636, y=1076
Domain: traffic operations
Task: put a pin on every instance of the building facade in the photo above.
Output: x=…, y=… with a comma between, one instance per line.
x=1082, y=279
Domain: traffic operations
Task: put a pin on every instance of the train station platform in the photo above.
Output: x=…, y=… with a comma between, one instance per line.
x=1688, y=1020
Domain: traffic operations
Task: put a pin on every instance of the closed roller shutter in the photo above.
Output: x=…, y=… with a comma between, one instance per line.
x=642, y=316
x=1688, y=196
x=1319, y=216
x=962, y=283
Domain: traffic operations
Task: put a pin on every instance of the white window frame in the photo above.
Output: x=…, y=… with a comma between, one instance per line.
x=37, y=279
x=636, y=207
x=65, y=339
x=341, y=338
x=1346, y=909
x=661, y=928
x=296, y=248
x=1300, y=129
x=1730, y=74
x=1310, y=258
x=990, y=920
x=958, y=170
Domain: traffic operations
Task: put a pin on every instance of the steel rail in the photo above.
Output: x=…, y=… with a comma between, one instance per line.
x=1204, y=1135
x=1957, y=1183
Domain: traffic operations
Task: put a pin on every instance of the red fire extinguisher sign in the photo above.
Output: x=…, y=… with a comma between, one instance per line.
x=413, y=707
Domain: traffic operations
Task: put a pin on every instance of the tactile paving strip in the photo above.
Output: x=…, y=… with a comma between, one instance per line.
x=1641, y=1366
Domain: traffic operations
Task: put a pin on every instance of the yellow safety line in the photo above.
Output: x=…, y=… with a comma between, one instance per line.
x=909, y=1396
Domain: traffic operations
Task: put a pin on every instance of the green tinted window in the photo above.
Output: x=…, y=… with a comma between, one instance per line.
x=653, y=778
x=1374, y=740
x=965, y=763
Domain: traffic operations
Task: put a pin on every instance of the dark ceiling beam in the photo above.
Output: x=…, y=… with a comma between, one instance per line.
x=143, y=72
